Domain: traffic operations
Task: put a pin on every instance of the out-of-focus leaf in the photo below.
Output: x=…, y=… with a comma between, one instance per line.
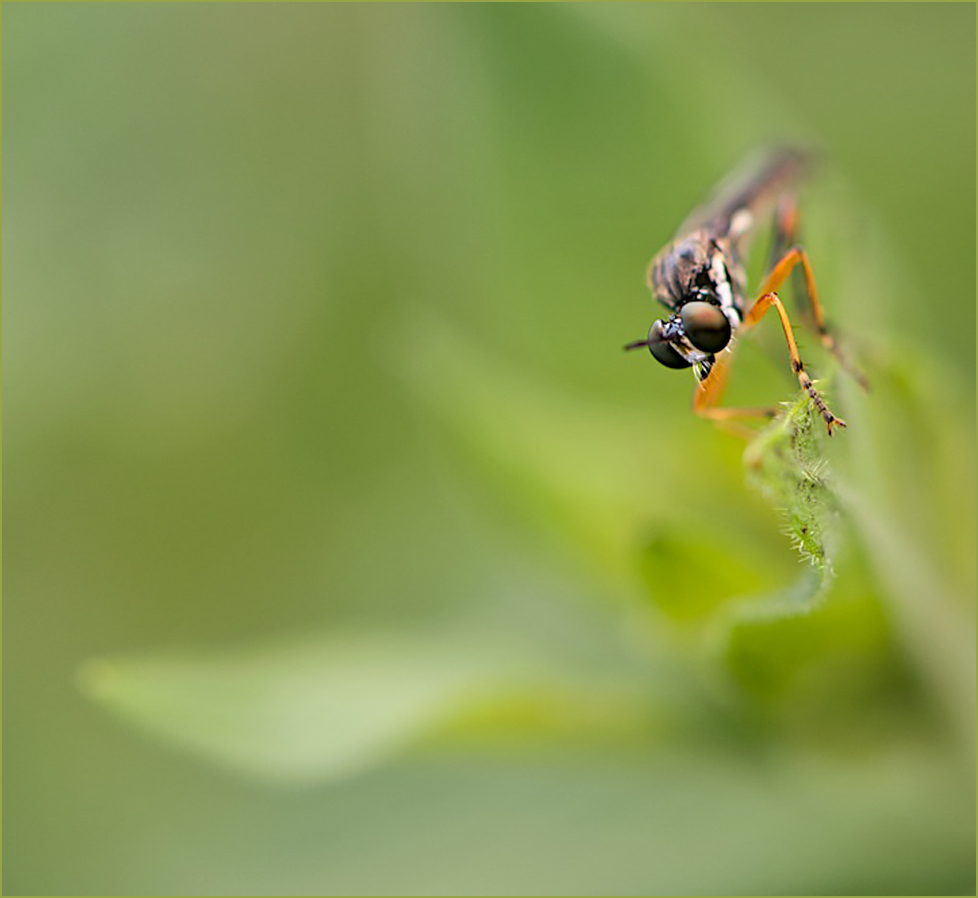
x=295, y=712
x=907, y=483
x=586, y=470
x=838, y=653
x=690, y=575
x=323, y=709
x=598, y=474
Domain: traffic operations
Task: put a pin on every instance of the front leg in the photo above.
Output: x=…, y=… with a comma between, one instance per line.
x=769, y=300
x=709, y=391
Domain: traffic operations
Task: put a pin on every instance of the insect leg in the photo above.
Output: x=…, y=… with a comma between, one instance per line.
x=769, y=300
x=788, y=262
x=710, y=391
x=785, y=235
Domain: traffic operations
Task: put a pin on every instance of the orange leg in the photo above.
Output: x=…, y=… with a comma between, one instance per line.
x=777, y=276
x=785, y=233
x=709, y=391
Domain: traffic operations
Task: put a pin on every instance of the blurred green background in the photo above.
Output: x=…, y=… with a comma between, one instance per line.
x=349, y=554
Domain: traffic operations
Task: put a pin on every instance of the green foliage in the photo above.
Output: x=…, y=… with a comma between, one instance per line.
x=326, y=474
x=785, y=463
x=328, y=708
x=746, y=638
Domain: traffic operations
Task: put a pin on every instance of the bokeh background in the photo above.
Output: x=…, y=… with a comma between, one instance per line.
x=347, y=551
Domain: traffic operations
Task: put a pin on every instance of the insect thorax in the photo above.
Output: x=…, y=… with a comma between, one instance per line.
x=698, y=267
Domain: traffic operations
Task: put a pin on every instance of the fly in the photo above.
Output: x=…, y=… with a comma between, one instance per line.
x=700, y=278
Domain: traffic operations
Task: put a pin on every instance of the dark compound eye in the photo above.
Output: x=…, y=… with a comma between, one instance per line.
x=705, y=326
x=663, y=350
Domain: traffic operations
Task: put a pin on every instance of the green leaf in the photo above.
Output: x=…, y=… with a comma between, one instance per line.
x=785, y=463
x=690, y=576
x=597, y=475
x=296, y=711
x=328, y=708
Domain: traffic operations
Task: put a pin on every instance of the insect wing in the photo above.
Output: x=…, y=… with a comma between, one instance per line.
x=754, y=185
